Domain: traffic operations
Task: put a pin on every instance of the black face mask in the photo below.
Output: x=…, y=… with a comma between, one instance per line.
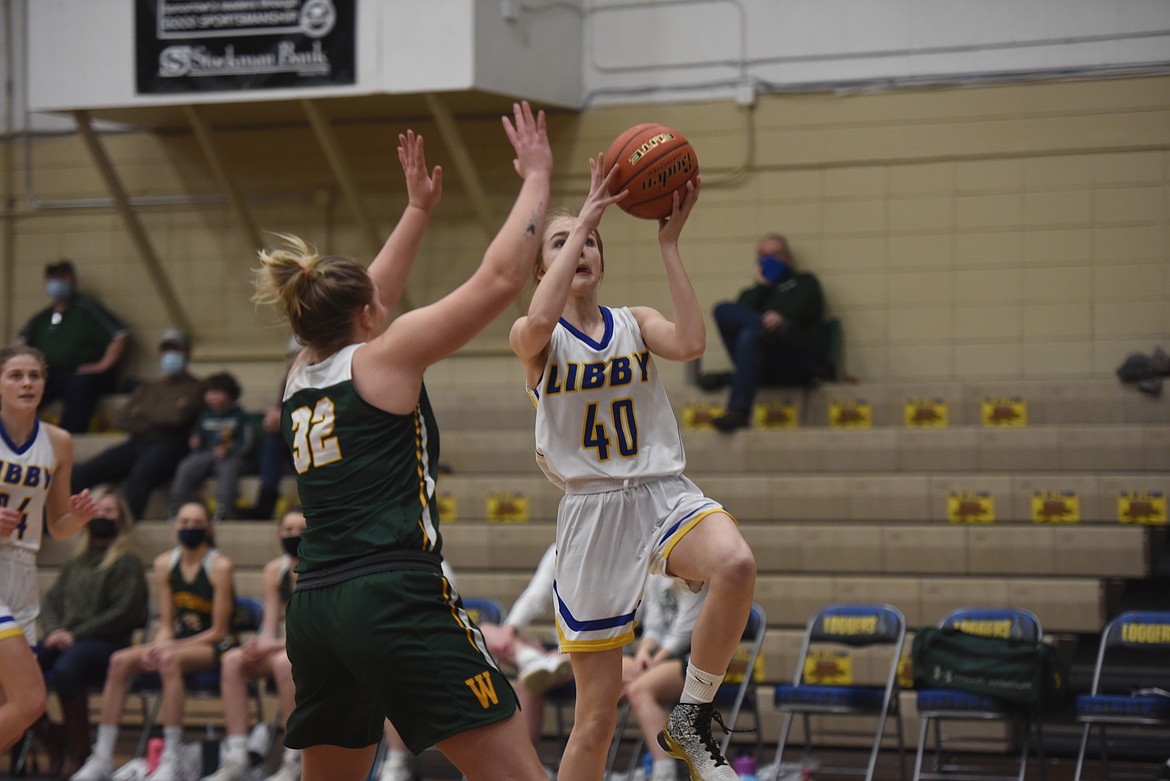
x=103, y=528
x=192, y=538
x=290, y=545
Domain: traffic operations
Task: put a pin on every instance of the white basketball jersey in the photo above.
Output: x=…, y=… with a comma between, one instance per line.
x=25, y=472
x=601, y=410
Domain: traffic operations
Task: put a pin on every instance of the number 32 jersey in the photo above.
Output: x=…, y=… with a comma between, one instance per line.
x=601, y=411
x=365, y=477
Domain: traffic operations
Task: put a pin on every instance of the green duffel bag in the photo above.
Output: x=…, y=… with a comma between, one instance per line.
x=1025, y=673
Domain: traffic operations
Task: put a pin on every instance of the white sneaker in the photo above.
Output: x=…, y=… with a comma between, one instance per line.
x=545, y=672
x=396, y=767
x=94, y=769
x=234, y=768
x=134, y=770
x=259, y=742
x=290, y=767
x=168, y=768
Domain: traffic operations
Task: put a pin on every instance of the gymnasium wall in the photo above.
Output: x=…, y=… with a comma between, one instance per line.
x=1012, y=231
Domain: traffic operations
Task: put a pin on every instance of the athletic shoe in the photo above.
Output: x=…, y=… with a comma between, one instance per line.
x=235, y=767
x=168, y=768
x=94, y=769
x=545, y=672
x=290, y=767
x=687, y=736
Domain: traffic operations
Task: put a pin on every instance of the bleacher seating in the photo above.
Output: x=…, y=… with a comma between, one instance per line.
x=833, y=514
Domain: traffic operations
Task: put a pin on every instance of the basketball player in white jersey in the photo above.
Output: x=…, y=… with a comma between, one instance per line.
x=35, y=464
x=605, y=432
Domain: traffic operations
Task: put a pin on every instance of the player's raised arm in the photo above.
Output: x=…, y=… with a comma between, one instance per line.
x=555, y=266
x=686, y=337
x=421, y=337
x=391, y=267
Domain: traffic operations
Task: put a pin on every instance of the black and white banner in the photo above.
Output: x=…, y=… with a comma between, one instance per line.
x=215, y=45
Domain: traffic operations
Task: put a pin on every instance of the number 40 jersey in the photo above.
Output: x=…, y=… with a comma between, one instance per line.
x=365, y=477
x=601, y=411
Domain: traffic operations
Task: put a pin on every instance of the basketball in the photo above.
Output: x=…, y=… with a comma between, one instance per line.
x=653, y=162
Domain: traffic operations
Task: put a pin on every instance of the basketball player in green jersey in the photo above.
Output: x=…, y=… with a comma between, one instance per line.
x=373, y=627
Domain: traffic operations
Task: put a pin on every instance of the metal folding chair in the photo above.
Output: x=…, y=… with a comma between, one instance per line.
x=1136, y=633
x=938, y=705
x=854, y=626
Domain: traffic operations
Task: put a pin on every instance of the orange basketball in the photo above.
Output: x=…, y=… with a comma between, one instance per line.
x=653, y=161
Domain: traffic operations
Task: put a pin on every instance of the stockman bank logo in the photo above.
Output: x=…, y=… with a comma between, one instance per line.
x=179, y=61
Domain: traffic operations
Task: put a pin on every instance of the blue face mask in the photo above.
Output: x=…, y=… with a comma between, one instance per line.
x=172, y=362
x=58, y=289
x=773, y=268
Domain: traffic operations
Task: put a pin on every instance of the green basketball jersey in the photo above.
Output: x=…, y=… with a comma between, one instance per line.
x=366, y=477
x=192, y=601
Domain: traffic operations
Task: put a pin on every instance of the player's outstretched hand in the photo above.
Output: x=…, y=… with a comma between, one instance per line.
x=83, y=507
x=598, y=198
x=423, y=190
x=670, y=228
x=529, y=138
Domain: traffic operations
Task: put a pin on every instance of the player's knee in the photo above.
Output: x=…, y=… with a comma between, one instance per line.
x=637, y=690
x=232, y=664
x=169, y=666
x=596, y=728
x=737, y=569
x=122, y=664
x=31, y=704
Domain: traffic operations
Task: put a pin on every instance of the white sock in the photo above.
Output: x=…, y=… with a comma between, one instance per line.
x=235, y=746
x=172, y=740
x=107, y=736
x=396, y=757
x=526, y=654
x=700, y=686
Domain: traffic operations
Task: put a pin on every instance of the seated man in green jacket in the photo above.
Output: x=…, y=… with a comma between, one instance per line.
x=773, y=332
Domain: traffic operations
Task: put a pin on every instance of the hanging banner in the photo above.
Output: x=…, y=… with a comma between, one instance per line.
x=232, y=45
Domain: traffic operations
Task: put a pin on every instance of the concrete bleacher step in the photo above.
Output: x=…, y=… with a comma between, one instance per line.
x=1047, y=402
x=1064, y=604
x=782, y=496
x=845, y=548
x=1100, y=447
x=823, y=547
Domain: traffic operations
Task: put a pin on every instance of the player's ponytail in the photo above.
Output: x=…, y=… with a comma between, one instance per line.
x=320, y=296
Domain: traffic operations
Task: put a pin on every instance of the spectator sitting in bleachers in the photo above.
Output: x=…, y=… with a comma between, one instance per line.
x=773, y=331
x=221, y=437
x=669, y=611
x=158, y=417
x=195, y=602
x=260, y=658
x=93, y=607
x=82, y=342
